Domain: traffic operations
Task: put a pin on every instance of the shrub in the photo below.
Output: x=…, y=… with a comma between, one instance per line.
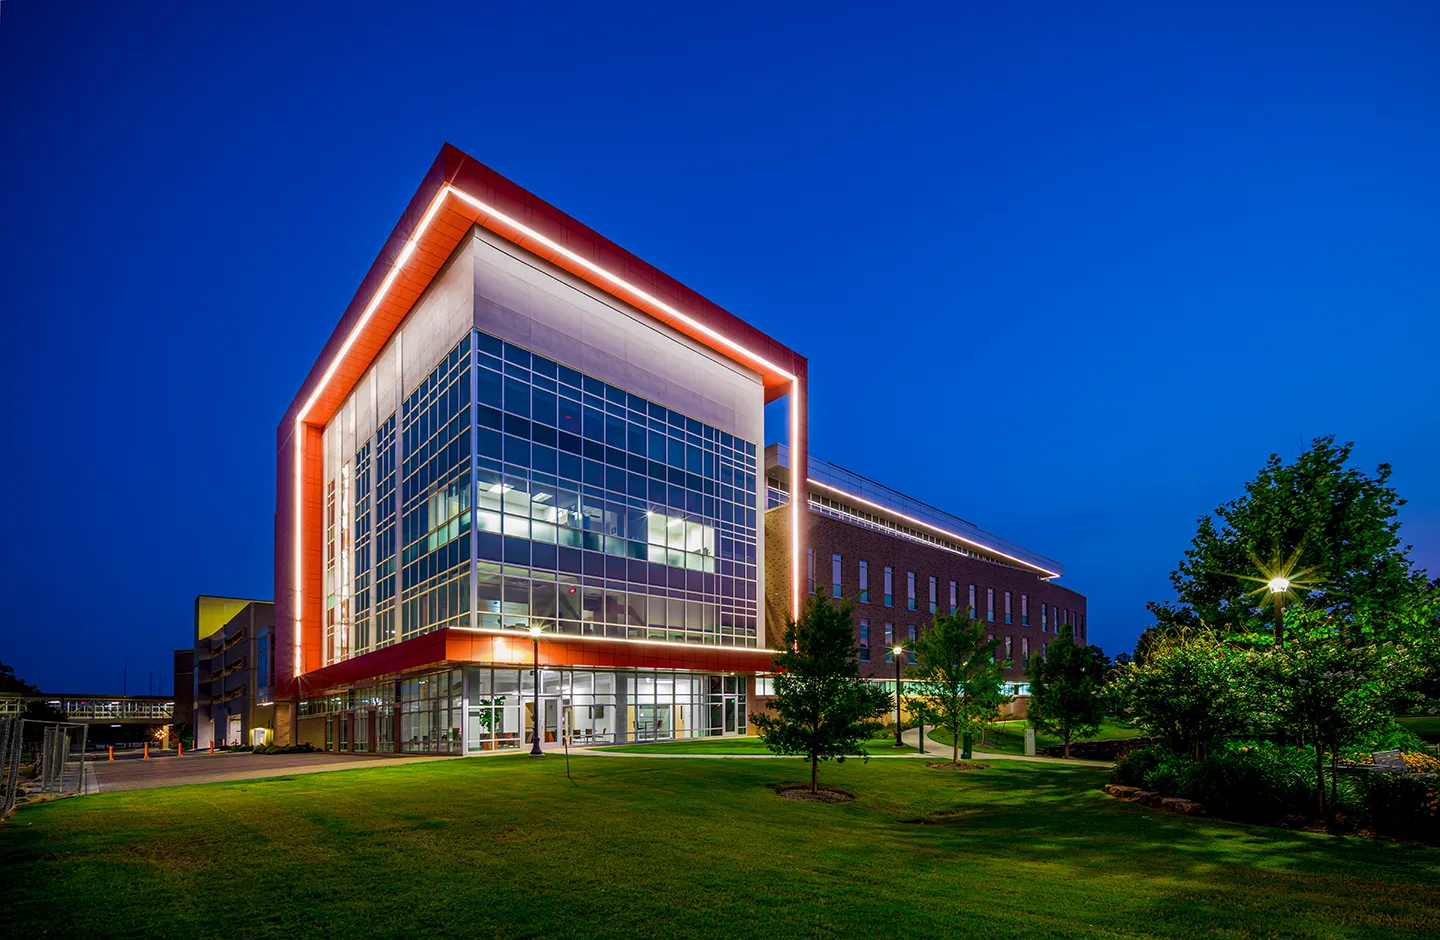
x=1400, y=805
x=1170, y=775
x=1257, y=782
x=301, y=748
x=1391, y=737
x=1132, y=769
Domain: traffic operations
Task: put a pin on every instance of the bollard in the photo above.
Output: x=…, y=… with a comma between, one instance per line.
x=212, y=745
x=147, y=751
x=112, y=752
x=179, y=749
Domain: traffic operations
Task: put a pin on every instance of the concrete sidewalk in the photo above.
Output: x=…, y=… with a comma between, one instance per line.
x=933, y=751
x=202, y=767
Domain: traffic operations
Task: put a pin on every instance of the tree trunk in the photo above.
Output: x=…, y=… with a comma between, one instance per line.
x=955, y=745
x=1067, y=746
x=814, y=774
x=1320, y=780
x=1332, y=782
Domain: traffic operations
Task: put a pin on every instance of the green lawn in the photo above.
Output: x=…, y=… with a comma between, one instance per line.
x=1008, y=737
x=884, y=744
x=508, y=847
x=1424, y=726
x=698, y=746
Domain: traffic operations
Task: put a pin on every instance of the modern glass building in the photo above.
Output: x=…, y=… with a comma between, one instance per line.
x=519, y=426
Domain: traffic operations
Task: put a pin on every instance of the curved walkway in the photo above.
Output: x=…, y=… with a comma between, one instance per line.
x=933, y=751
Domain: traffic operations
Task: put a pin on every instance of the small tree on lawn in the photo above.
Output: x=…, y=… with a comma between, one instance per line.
x=955, y=682
x=1190, y=693
x=1065, y=689
x=1334, y=690
x=821, y=709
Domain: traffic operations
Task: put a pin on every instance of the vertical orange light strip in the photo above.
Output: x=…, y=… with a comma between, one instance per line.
x=796, y=510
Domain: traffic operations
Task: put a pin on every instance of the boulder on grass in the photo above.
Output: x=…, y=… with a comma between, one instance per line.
x=1176, y=804
x=1120, y=791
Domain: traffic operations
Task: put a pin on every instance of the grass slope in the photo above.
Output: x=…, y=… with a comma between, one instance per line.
x=508, y=847
x=1426, y=727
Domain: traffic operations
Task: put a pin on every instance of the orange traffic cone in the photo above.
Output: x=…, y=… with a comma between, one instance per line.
x=147, y=751
x=179, y=749
x=112, y=752
x=212, y=745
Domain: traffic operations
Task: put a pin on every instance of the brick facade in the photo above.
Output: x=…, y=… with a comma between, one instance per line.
x=856, y=543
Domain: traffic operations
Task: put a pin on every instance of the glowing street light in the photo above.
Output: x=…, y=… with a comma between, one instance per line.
x=535, y=750
x=1280, y=580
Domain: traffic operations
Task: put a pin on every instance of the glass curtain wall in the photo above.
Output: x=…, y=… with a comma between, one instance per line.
x=593, y=511
x=601, y=513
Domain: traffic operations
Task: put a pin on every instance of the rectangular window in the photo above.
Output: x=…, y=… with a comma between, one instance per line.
x=864, y=582
x=834, y=575
x=910, y=647
x=1025, y=651
x=810, y=577
x=1007, y=608
x=889, y=642
x=1009, y=649
x=1044, y=617
x=934, y=588
x=952, y=598
x=910, y=589
x=864, y=641
x=1024, y=610
x=990, y=604
x=889, y=587
x=972, y=602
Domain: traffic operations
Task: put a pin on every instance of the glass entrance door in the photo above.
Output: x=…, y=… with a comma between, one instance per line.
x=551, y=708
x=652, y=723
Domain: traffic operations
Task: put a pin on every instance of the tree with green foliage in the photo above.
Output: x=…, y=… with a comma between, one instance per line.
x=956, y=682
x=1333, y=690
x=9, y=682
x=821, y=708
x=1318, y=521
x=1066, y=688
x=1191, y=692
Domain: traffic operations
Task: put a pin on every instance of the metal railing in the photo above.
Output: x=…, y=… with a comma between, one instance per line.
x=96, y=707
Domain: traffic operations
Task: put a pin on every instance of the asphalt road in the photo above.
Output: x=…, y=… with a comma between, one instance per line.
x=130, y=772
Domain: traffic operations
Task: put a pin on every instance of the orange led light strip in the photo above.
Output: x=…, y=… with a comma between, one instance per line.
x=525, y=231
x=946, y=532
x=519, y=635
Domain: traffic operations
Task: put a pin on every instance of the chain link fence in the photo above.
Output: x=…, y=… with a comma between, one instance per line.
x=56, y=764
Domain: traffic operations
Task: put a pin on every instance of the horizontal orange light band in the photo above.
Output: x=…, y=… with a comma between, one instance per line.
x=525, y=635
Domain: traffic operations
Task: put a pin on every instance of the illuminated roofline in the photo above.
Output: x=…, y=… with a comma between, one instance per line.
x=528, y=233
x=935, y=528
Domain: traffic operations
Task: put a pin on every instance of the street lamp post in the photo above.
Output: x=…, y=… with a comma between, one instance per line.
x=535, y=750
x=1278, y=587
x=898, y=650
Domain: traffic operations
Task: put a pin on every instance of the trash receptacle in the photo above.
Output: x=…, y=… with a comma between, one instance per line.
x=966, y=743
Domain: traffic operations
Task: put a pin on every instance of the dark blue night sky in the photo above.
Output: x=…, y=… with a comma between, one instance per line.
x=1070, y=271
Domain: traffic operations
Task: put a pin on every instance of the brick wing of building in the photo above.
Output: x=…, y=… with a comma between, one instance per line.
x=901, y=561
